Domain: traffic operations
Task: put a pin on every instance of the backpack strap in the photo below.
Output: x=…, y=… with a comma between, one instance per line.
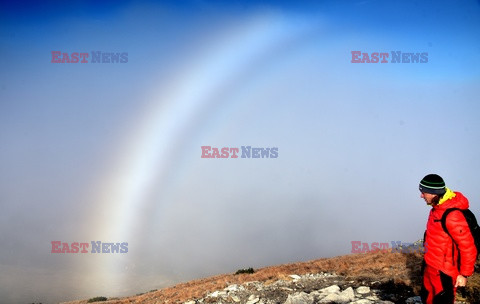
x=444, y=219
x=444, y=226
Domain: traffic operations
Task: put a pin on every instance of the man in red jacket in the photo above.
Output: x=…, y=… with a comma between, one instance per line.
x=448, y=260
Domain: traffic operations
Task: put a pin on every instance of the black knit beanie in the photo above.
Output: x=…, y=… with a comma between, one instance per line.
x=432, y=184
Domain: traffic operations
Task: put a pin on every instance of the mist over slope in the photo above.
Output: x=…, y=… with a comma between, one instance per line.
x=393, y=274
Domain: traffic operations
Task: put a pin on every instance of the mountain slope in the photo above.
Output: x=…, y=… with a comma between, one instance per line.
x=398, y=273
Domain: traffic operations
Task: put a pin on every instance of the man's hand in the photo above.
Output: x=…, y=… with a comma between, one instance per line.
x=461, y=281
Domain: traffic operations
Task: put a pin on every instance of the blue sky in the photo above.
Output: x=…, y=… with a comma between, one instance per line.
x=111, y=152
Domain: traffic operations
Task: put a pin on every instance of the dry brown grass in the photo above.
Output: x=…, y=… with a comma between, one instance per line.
x=379, y=265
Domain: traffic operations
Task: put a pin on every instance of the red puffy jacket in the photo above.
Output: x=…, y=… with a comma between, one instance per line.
x=441, y=252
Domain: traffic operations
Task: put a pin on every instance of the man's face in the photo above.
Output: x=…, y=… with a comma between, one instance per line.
x=427, y=197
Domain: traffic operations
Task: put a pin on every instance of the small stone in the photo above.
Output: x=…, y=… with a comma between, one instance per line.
x=217, y=294
x=345, y=296
x=295, y=277
x=299, y=298
x=232, y=288
x=334, y=297
x=362, y=301
x=189, y=302
x=413, y=300
x=253, y=299
x=326, y=292
x=330, y=289
x=214, y=294
x=348, y=294
x=235, y=299
x=363, y=289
